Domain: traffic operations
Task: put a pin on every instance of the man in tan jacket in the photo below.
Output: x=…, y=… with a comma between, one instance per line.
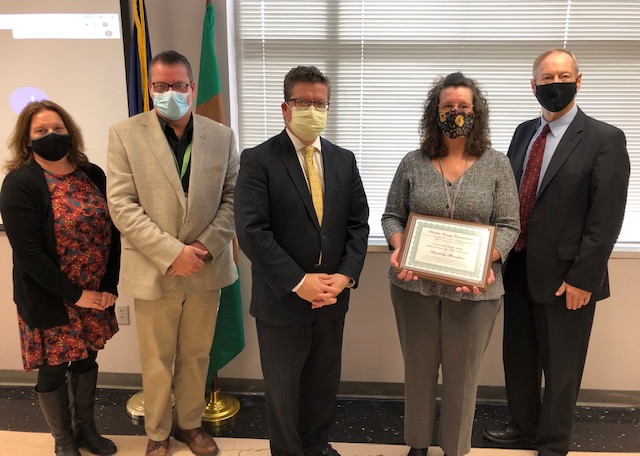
x=170, y=184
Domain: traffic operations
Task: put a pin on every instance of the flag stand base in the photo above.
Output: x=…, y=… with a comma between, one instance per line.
x=220, y=407
x=135, y=405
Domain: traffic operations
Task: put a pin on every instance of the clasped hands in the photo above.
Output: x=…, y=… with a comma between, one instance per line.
x=189, y=261
x=99, y=300
x=322, y=289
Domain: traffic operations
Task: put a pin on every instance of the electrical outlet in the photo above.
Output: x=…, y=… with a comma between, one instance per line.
x=122, y=314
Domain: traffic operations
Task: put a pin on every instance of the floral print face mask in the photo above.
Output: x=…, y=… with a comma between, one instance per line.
x=455, y=124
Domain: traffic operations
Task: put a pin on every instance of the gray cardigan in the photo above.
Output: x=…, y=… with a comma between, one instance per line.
x=488, y=195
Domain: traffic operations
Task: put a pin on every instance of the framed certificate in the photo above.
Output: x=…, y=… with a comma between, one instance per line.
x=448, y=251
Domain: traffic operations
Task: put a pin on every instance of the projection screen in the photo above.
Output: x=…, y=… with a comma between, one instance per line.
x=67, y=51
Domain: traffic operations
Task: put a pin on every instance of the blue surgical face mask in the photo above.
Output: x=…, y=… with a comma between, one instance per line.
x=171, y=104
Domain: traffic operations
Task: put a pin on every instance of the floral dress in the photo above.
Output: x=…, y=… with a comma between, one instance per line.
x=82, y=229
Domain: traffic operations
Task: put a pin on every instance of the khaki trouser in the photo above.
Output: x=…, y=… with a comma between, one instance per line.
x=175, y=334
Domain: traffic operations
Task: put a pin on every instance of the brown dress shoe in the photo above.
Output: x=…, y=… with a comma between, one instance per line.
x=200, y=443
x=157, y=448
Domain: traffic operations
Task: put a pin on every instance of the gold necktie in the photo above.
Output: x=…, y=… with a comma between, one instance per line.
x=314, y=181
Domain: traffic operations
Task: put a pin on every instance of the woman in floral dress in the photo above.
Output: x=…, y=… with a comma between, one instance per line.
x=66, y=260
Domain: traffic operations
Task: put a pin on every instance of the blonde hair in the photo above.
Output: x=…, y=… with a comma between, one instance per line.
x=21, y=153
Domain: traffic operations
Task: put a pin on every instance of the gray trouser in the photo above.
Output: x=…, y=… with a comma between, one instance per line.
x=438, y=332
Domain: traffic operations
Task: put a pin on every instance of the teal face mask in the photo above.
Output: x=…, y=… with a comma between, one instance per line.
x=171, y=104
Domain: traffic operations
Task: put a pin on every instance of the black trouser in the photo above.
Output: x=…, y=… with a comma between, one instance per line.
x=301, y=367
x=542, y=338
x=50, y=378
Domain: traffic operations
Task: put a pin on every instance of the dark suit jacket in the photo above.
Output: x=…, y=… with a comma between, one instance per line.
x=579, y=207
x=39, y=286
x=278, y=229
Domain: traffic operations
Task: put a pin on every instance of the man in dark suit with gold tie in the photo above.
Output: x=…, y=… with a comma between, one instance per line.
x=573, y=173
x=301, y=218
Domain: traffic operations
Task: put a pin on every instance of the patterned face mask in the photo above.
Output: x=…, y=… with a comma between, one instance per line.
x=455, y=124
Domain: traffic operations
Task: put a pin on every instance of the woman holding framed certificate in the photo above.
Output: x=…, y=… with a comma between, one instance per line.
x=442, y=198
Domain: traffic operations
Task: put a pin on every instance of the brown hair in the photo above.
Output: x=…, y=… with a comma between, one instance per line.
x=21, y=154
x=478, y=141
x=301, y=74
x=171, y=58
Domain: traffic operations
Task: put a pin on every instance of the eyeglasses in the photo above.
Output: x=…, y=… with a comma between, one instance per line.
x=301, y=103
x=461, y=107
x=162, y=87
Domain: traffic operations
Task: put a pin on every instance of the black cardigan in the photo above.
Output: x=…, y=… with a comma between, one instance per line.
x=39, y=286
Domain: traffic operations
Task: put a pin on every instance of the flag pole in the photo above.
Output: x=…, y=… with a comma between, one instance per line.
x=229, y=334
x=139, y=102
x=221, y=407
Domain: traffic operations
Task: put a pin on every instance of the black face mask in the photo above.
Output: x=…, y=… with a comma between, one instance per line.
x=556, y=96
x=52, y=146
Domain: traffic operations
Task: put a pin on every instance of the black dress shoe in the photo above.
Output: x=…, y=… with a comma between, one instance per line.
x=417, y=451
x=510, y=433
x=329, y=451
x=326, y=450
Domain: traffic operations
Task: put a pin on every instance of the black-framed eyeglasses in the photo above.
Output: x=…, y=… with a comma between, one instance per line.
x=302, y=103
x=162, y=87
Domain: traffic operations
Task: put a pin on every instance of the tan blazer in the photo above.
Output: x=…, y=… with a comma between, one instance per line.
x=148, y=205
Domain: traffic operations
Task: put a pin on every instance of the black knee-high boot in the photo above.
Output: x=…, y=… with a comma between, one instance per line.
x=83, y=389
x=55, y=407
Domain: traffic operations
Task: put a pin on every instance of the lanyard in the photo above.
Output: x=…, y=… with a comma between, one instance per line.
x=185, y=161
x=452, y=202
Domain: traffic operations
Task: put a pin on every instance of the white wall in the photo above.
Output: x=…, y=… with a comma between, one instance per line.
x=372, y=350
x=371, y=347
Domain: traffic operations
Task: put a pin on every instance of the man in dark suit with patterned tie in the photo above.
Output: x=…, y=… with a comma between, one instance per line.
x=301, y=218
x=573, y=173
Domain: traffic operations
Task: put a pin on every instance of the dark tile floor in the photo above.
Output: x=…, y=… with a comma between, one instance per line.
x=357, y=420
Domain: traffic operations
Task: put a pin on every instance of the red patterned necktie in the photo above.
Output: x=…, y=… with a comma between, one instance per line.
x=529, y=186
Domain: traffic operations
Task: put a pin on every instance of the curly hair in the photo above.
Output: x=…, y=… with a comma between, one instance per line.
x=304, y=74
x=21, y=153
x=477, y=141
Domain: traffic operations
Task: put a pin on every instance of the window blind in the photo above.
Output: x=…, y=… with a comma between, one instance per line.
x=382, y=58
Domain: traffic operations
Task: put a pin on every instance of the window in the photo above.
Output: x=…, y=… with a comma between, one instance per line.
x=383, y=56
